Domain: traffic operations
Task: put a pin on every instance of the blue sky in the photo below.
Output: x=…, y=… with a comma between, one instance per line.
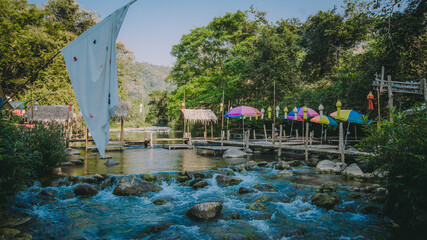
x=151, y=27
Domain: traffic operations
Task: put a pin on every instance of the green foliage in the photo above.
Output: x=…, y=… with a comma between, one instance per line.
x=27, y=154
x=158, y=107
x=399, y=149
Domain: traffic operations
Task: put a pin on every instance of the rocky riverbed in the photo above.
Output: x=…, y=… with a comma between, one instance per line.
x=254, y=200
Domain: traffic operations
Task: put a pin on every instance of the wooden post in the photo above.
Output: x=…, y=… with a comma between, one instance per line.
x=254, y=135
x=324, y=137
x=296, y=133
x=265, y=133
x=189, y=137
x=284, y=133
x=222, y=113
x=279, y=153
x=183, y=130
x=424, y=84
x=188, y=128
x=86, y=136
x=273, y=133
x=71, y=132
x=151, y=139
x=206, y=132
x=341, y=142
x=247, y=133
x=306, y=141
x=122, y=135
x=311, y=137
x=355, y=132
x=222, y=137
x=211, y=130
x=390, y=96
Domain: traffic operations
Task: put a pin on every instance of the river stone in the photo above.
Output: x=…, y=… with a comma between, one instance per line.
x=282, y=165
x=328, y=188
x=285, y=173
x=157, y=227
x=243, y=190
x=262, y=164
x=325, y=165
x=105, y=157
x=353, y=171
x=257, y=206
x=111, y=162
x=85, y=189
x=296, y=163
x=234, y=153
x=225, y=181
x=23, y=236
x=134, y=186
x=160, y=201
x=263, y=198
x=204, y=211
x=148, y=177
x=313, y=161
x=200, y=184
x=325, y=200
x=266, y=188
x=10, y=222
x=251, y=164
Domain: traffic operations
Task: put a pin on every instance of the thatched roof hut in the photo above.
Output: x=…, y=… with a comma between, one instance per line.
x=122, y=110
x=198, y=116
x=52, y=114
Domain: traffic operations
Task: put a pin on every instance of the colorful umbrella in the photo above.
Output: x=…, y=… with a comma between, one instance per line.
x=349, y=116
x=324, y=120
x=241, y=112
x=293, y=118
x=300, y=112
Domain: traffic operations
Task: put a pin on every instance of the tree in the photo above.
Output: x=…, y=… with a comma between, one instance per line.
x=158, y=107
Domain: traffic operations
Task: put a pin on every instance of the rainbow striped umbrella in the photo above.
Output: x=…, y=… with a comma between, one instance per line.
x=293, y=118
x=324, y=119
x=349, y=116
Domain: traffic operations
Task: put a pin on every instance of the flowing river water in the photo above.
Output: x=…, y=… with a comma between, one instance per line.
x=56, y=213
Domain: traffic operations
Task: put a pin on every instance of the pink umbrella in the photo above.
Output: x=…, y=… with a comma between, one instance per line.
x=241, y=112
x=293, y=118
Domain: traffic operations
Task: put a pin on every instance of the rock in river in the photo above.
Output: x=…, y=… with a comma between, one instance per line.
x=234, y=153
x=325, y=200
x=111, y=162
x=85, y=189
x=204, y=211
x=134, y=186
x=224, y=181
x=282, y=165
x=353, y=171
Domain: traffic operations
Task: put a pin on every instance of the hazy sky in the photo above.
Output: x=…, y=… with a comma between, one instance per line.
x=151, y=27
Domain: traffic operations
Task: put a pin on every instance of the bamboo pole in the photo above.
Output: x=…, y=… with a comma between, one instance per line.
x=279, y=153
x=254, y=135
x=206, y=132
x=341, y=142
x=247, y=133
x=306, y=141
x=122, y=135
x=86, y=136
x=273, y=133
x=228, y=135
x=151, y=139
x=265, y=133
x=211, y=130
x=222, y=137
x=222, y=113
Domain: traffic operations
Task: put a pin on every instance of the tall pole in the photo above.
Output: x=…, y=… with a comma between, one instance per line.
x=222, y=113
x=273, y=133
x=390, y=96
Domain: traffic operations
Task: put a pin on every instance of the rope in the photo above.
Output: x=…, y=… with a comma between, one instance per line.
x=31, y=77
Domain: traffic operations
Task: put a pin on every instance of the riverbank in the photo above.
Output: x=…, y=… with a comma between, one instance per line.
x=249, y=200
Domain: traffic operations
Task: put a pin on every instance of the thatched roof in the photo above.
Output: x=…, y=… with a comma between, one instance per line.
x=122, y=110
x=51, y=114
x=198, y=115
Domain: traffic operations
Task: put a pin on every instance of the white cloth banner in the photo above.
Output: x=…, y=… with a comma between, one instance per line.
x=92, y=65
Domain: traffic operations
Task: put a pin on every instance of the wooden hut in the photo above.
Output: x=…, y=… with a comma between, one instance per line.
x=192, y=116
x=59, y=114
x=121, y=113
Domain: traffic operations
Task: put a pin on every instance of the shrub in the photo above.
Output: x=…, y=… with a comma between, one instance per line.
x=400, y=148
x=27, y=154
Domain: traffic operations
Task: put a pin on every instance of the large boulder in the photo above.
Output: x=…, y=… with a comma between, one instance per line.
x=234, y=153
x=325, y=166
x=223, y=180
x=325, y=200
x=282, y=165
x=200, y=184
x=353, y=171
x=243, y=190
x=257, y=206
x=85, y=189
x=134, y=186
x=204, y=211
x=250, y=165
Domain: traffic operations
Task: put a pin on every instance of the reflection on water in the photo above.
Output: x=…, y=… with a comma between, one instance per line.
x=150, y=160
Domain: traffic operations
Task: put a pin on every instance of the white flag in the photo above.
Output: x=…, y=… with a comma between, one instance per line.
x=92, y=65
